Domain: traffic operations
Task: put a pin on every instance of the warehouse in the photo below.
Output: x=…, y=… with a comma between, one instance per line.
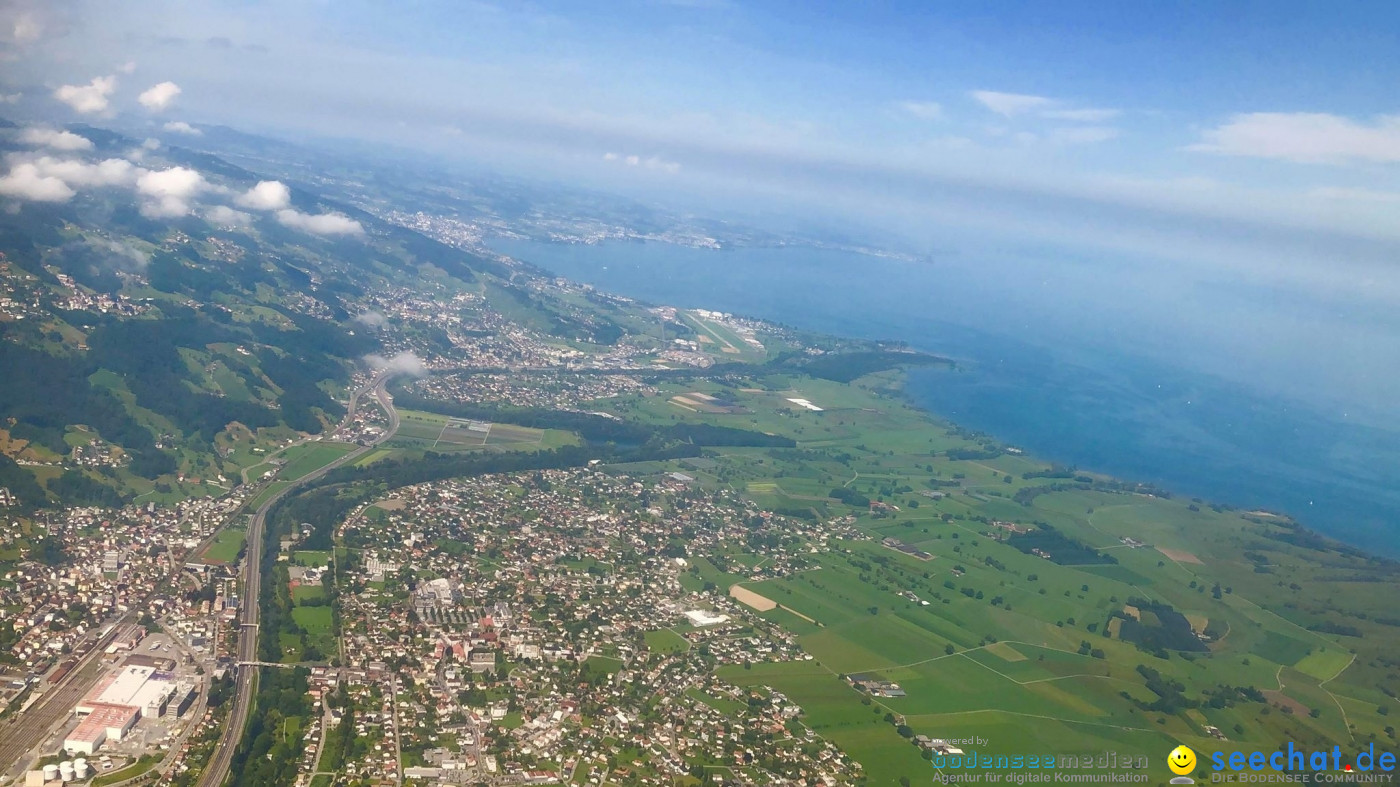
x=144, y=688
x=103, y=722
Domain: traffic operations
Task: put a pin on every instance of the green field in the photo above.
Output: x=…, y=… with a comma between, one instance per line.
x=373, y=456
x=268, y=492
x=131, y=771
x=316, y=620
x=307, y=458
x=725, y=705
x=225, y=547
x=666, y=641
x=419, y=430
x=1031, y=660
x=1324, y=664
x=1150, y=618
x=318, y=624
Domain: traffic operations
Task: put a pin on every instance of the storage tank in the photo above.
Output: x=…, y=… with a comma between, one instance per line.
x=80, y=769
x=65, y=770
x=50, y=772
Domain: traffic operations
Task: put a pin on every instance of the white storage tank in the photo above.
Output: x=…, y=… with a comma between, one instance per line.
x=50, y=772
x=65, y=770
x=80, y=769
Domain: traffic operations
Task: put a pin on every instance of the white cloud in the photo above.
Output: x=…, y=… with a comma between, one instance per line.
x=661, y=164
x=225, y=216
x=1082, y=115
x=138, y=257
x=27, y=28
x=923, y=110
x=108, y=172
x=267, y=195
x=404, y=363
x=1010, y=104
x=10, y=98
x=88, y=98
x=128, y=67
x=180, y=182
x=1082, y=135
x=320, y=224
x=26, y=182
x=165, y=208
x=651, y=162
x=1048, y=115
x=181, y=127
x=372, y=319
x=1308, y=137
x=169, y=191
x=25, y=23
x=53, y=138
x=151, y=143
x=158, y=97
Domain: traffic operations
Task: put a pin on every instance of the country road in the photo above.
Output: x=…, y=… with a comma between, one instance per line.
x=217, y=770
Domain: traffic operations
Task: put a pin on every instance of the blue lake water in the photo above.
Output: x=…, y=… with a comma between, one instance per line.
x=1083, y=403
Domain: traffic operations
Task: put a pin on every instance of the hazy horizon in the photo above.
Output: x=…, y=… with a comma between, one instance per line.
x=1212, y=187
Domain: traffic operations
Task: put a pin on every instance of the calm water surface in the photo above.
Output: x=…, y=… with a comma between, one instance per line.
x=1094, y=406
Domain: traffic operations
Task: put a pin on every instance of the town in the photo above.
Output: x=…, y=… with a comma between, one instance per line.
x=545, y=627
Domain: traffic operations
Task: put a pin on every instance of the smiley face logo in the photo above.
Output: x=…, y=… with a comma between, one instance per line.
x=1182, y=761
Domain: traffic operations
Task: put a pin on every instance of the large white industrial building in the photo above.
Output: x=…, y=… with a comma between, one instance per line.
x=113, y=707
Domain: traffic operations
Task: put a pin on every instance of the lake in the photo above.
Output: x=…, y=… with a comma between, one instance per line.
x=1076, y=398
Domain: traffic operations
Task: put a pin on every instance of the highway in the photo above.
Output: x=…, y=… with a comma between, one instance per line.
x=217, y=769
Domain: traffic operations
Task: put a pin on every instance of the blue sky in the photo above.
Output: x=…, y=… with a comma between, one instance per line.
x=1227, y=170
x=837, y=77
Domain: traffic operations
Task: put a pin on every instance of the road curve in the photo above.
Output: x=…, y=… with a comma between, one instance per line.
x=217, y=770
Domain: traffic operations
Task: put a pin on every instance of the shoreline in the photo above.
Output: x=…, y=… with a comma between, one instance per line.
x=1280, y=518
x=1353, y=541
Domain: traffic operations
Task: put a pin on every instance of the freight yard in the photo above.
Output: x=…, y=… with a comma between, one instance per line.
x=138, y=709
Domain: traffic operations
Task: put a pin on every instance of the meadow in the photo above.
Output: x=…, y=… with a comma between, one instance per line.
x=1048, y=611
x=224, y=548
x=1284, y=634
x=318, y=623
x=301, y=460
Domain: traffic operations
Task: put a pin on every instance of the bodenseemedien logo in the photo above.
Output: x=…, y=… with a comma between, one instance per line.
x=954, y=766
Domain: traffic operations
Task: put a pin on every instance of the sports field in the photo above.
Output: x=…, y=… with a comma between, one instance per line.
x=318, y=624
x=316, y=620
x=745, y=596
x=302, y=593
